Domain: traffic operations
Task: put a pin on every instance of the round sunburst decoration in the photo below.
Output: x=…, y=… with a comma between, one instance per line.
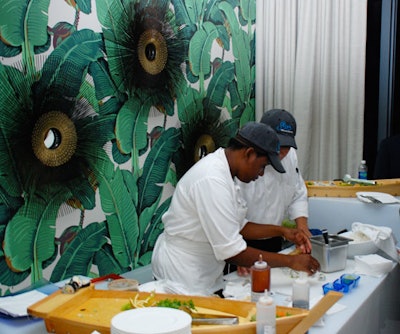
x=54, y=139
x=202, y=133
x=152, y=52
x=145, y=50
x=57, y=142
x=205, y=144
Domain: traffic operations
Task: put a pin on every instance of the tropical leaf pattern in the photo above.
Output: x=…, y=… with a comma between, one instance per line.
x=25, y=30
x=107, y=85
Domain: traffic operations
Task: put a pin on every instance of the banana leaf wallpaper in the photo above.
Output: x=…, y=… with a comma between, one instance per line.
x=104, y=105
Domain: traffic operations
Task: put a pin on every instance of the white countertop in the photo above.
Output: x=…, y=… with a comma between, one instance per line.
x=336, y=214
x=365, y=309
x=372, y=307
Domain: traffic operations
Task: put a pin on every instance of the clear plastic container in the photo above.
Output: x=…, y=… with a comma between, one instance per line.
x=266, y=314
x=301, y=292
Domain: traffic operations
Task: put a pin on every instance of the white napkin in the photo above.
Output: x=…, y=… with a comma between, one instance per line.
x=382, y=236
x=333, y=309
x=372, y=265
x=16, y=305
x=237, y=290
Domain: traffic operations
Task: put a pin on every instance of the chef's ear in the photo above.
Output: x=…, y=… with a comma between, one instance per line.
x=249, y=151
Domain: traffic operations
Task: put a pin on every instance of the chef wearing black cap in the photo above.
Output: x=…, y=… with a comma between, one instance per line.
x=206, y=223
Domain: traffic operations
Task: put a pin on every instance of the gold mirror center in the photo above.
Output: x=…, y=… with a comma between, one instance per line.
x=152, y=51
x=54, y=139
x=204, y=145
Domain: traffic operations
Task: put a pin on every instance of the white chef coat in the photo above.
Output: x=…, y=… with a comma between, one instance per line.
x=201, y=227
x=274, y=197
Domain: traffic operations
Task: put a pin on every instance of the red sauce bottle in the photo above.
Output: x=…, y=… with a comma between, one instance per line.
x=260, y=278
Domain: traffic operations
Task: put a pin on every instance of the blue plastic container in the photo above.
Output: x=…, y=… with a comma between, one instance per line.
x=344, y=284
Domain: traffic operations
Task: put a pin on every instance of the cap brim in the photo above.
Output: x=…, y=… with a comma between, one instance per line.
x=275, y=162
x=287, y=141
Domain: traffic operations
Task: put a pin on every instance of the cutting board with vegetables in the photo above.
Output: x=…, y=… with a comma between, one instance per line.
x=344, y=189
x=89, y=309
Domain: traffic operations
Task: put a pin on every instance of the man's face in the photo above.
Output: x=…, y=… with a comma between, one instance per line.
x=252, y=167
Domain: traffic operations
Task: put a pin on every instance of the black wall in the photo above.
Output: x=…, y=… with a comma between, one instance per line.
x=372, y=82
x=371, y=114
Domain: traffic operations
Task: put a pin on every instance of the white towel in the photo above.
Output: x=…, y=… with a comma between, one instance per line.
x=382, y=236
x=237, y=290
x=373, y=265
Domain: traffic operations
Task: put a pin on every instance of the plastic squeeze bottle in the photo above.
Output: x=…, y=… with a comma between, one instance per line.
x=266, y=314
x=301, y=292
x=260, y=278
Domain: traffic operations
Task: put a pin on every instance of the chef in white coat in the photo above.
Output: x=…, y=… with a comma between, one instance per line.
x=276, y=197
x=206, y=223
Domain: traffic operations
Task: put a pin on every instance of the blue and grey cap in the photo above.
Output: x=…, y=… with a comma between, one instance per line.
x=283, y=123
x=264, y=139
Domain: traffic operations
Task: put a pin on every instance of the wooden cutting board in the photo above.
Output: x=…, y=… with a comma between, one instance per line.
x=340, y=189
x=89, y=309
x=317, y=312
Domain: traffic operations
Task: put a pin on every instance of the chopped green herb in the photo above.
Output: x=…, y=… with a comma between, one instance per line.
x=174, y=303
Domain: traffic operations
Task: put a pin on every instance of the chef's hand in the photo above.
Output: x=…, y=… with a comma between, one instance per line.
x=304, y=262
x=243, y=271
x=298, y=237
x=302, y=224
x=306, y=232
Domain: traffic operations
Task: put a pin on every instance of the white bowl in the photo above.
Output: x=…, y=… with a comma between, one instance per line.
x=361, y=244
x=151, y=320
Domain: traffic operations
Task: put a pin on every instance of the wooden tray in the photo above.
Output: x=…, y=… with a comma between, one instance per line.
x=342, y=189
x=90, y=309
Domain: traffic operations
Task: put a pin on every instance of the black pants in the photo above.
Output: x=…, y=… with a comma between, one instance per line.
x=269, y=245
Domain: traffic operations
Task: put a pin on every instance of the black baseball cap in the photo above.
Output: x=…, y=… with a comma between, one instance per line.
x=264, y=139
x=283, y=123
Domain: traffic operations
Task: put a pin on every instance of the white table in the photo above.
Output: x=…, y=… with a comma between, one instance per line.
x=372, y=307
x=381, y=307
x=336, y=214
x=369, y=307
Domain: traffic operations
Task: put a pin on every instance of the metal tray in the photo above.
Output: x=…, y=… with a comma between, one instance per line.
x=334, y=240
x=332, y=256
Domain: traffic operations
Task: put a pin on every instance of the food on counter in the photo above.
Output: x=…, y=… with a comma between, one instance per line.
x=296, y=251
x=336, y=184
x=341, y=188
x=150, y=301
x=279, y=314
x=74, y=284
x=175, y=303
x=123, y=284
x=137, y=303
